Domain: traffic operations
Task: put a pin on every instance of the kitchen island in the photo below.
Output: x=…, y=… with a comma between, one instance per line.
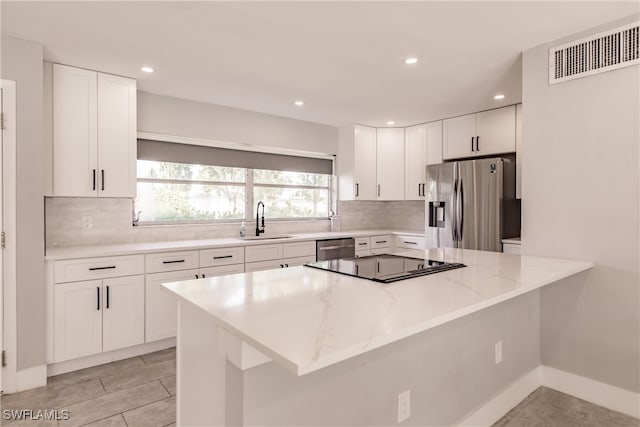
x=301, y=346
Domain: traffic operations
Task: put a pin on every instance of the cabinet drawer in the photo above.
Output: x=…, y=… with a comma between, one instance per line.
x=263, y=265
x=300, y=249
x=296, y=261
x=222, y=256
x=171, y=261
x=221, y=270
x=362, y=243
x=263, y=253
x=410, y=242
x=363, y=252
x=510, y=248
x=98, y=268
x=380, y=242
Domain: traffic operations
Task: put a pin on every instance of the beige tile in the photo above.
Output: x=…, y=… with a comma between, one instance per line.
x=114, y=403
x=145, y=374
x=115, y=421
x=119, y=367
x=53, y=397
x=160, y=356
x=170, y=384
x=156, y=414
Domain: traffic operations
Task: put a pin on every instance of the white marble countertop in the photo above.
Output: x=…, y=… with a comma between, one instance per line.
x=72, y=252
x=306, y=319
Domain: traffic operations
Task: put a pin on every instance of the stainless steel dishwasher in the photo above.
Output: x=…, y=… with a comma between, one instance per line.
x=335, y=248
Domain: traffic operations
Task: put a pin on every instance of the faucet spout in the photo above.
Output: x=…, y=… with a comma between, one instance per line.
x=259, y=224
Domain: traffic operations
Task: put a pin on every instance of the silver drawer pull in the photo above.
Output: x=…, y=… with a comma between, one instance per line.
x=223, y=256
x=363, y=244
x=110, y=267
x=410, y=243
x=173, y=262
x=381, y=241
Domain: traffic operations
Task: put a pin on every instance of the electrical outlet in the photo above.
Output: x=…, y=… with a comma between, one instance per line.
x=87, y=222
x=498, y=352
x=404, y=405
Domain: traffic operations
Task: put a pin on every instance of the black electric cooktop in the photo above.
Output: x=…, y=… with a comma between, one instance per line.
x=384, y=268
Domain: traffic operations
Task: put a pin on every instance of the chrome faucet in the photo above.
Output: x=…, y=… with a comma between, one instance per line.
x=259, y=226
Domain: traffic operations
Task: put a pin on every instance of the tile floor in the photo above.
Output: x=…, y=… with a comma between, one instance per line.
x=549, y=408
x=141, y=392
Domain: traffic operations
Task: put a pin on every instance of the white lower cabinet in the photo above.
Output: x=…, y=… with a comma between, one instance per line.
x=161, y=314
x=98, y=315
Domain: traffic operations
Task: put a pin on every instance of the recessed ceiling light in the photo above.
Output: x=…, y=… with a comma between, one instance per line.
x=299, y=103
x=391, y=122
x=147, y=69
x=411, y=61
x=499, y=96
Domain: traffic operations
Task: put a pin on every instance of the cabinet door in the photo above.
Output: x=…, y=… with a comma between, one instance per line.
x=434, y=142
x=497, y=131
x=456, y=137
x=519, y=151
x=263, y=265
x=123, y=312
x=117, y=144
x=77, y=319
x=161, y=307
x=390, y=164
x=222, y=270
x=415, y=159
x=364, y=163
x=75, y=165
x=263, y=252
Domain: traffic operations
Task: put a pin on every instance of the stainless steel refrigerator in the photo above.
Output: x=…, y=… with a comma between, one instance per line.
x=471, y=204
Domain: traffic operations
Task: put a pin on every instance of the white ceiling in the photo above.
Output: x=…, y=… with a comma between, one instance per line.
x=344, y=59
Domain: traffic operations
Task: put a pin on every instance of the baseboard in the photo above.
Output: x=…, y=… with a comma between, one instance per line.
x=107, y=357
x=504, y=401
x=609, y=396
x=31, y=378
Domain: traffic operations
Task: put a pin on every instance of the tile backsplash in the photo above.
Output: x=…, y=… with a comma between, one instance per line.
x=95, y=221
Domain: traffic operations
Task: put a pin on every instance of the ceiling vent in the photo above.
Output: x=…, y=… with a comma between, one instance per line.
x=595, y=54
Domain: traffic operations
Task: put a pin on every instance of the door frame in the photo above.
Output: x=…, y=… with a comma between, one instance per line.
x=8, y=322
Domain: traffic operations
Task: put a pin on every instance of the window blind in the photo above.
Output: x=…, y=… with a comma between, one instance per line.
x=213, y=156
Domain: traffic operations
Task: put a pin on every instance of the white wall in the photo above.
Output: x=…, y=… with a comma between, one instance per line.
x=580, y=200
x=22, y=63
x=173, y=116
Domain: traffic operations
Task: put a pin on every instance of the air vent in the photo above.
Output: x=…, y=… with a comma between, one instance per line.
x=601, y=52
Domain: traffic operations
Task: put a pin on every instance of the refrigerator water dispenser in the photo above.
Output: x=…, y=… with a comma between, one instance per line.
x=436, y=214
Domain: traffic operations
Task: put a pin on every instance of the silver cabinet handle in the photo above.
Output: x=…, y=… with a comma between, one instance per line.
x=223, y=257
x=94, y=180
x=378, y=190
x=472, y=138
x=477, y=143
x=357, y=189
x=173, y=262
x=102, y=173
x=410, y=243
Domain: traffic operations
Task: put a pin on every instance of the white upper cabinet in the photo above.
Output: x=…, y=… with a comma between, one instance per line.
x=94, y=134
x=422, y=147
x=480, y=134
x=356, y=163
x=75, y=136
x=390, y=164
x=364, y=163
x=434, y=142
x=117, y=145
x=415, y=161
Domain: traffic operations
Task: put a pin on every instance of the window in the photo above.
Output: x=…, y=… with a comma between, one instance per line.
x=182, y=192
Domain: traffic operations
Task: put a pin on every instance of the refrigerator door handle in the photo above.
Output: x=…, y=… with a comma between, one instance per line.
x=460, y=209
x=454, y=215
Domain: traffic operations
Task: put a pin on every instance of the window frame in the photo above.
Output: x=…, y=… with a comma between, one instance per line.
x=250, y=203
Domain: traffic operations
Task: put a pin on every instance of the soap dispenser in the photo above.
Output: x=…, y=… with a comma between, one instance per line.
x=243, y=229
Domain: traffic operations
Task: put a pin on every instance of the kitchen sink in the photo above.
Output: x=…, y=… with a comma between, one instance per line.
x=274, y=237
